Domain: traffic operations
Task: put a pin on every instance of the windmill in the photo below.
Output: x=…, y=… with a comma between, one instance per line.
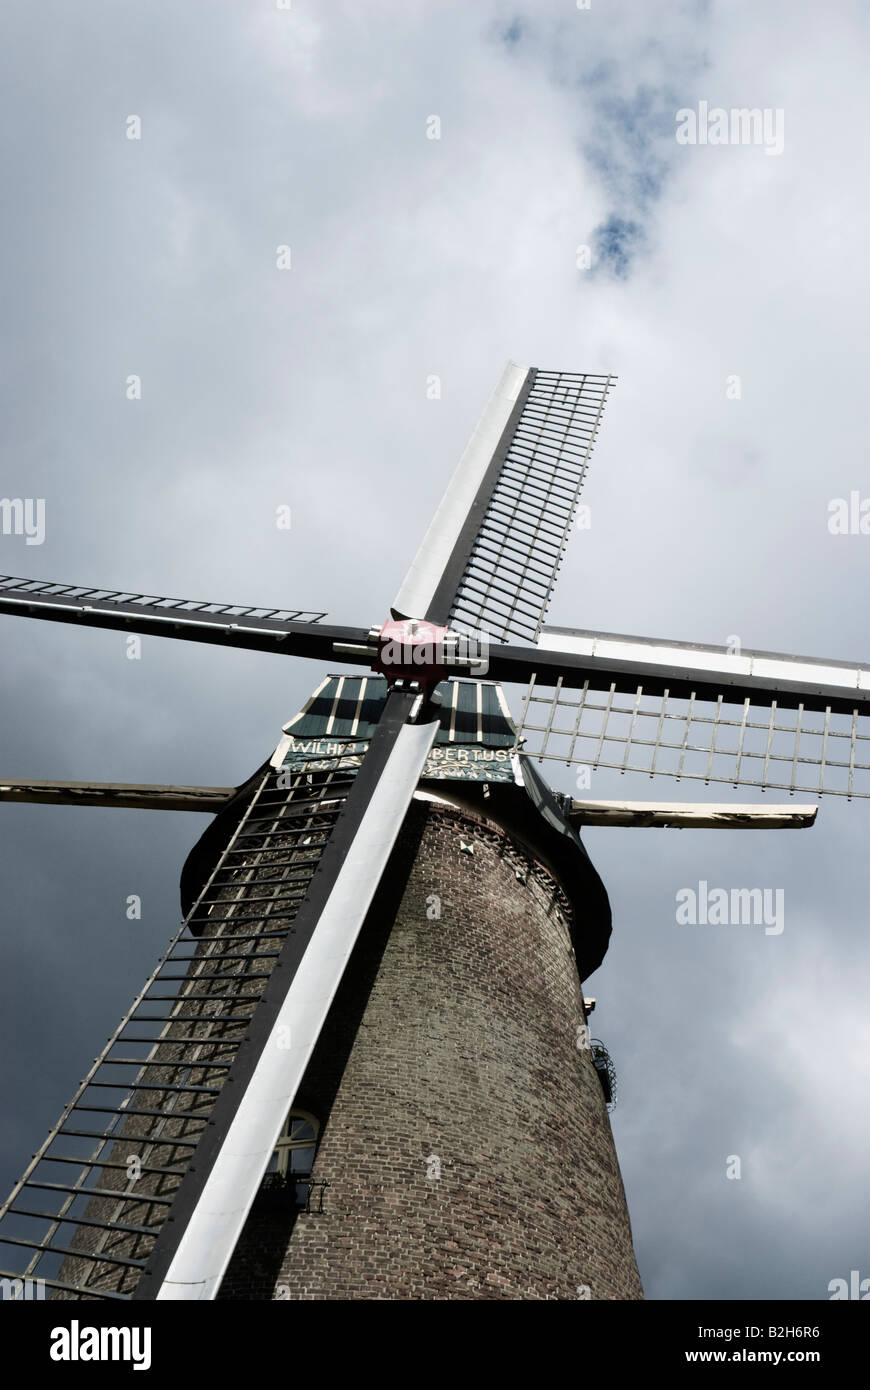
x=165, y=1164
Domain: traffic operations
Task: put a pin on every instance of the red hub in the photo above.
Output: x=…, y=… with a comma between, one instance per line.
x=412, y=649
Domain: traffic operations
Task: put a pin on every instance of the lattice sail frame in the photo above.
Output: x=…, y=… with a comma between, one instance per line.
x=14, y=589
x=742, y=743
x=87, y=1211
x=508, y=580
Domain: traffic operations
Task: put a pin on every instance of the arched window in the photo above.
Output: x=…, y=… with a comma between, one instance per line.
x=293, y=1159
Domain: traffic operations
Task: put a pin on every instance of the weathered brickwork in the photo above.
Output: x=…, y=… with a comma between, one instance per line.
x=452, y=1048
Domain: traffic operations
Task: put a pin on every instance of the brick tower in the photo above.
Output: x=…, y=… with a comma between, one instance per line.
x=464, y=1145
x=464, y=1136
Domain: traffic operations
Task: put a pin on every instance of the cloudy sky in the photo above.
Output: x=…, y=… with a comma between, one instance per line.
x=410, y=257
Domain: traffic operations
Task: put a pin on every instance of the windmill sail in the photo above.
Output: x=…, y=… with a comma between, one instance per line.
x=751, y=719
x=93, y=1201
x=286, y=630
x=213, y=1201
x=492, y=553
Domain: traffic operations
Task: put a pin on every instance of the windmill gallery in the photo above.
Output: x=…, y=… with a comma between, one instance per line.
x=363, y=1069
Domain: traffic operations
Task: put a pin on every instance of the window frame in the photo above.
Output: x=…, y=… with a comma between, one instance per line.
x=286, y=1145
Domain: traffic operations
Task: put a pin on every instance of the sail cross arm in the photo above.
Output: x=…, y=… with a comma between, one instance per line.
x=701, y=815
x=151, y=797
